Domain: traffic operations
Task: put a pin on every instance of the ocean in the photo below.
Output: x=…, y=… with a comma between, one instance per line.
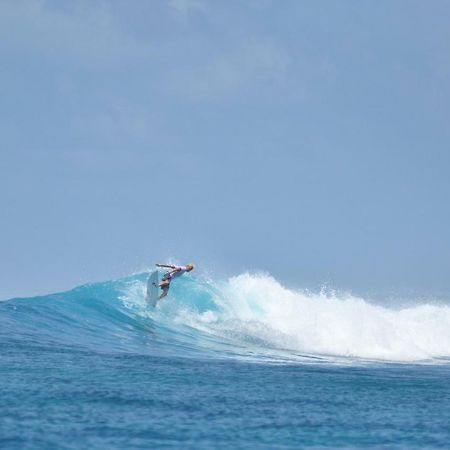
x=221, y=364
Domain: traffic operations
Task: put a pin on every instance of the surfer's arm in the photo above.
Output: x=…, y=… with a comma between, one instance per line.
x=175, y=269
x=169, y=266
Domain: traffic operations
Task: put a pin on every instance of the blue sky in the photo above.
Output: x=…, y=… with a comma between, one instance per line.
x=307, y=139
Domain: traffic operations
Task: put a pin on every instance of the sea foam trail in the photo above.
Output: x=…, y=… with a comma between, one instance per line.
x=256, y=312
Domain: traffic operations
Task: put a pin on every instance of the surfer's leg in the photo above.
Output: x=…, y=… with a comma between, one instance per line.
x=165, y=291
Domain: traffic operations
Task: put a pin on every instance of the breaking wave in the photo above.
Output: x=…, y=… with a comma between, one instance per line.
x=248, y=316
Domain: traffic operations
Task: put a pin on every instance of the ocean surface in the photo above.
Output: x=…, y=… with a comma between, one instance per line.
x=238, y=363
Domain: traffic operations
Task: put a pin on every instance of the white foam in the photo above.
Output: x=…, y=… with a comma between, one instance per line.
x=258, y=307
x=255, y=310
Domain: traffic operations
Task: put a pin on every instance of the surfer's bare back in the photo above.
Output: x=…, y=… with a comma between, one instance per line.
x=174, y=272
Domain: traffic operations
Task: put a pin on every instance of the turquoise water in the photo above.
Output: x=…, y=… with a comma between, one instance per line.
x=240, y=363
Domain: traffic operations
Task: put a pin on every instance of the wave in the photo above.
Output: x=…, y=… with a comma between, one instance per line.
x=248, y=316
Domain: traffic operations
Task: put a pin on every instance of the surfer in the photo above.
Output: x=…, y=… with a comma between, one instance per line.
x=174, y=272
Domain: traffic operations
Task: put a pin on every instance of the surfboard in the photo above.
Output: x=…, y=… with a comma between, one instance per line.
x=153, y=289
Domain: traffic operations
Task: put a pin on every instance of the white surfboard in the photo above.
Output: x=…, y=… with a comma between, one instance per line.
x=153, y=289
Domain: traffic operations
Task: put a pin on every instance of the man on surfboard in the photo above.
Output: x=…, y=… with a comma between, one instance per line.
x=174, y=272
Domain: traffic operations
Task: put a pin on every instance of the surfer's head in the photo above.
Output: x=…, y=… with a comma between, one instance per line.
x=189, y=267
